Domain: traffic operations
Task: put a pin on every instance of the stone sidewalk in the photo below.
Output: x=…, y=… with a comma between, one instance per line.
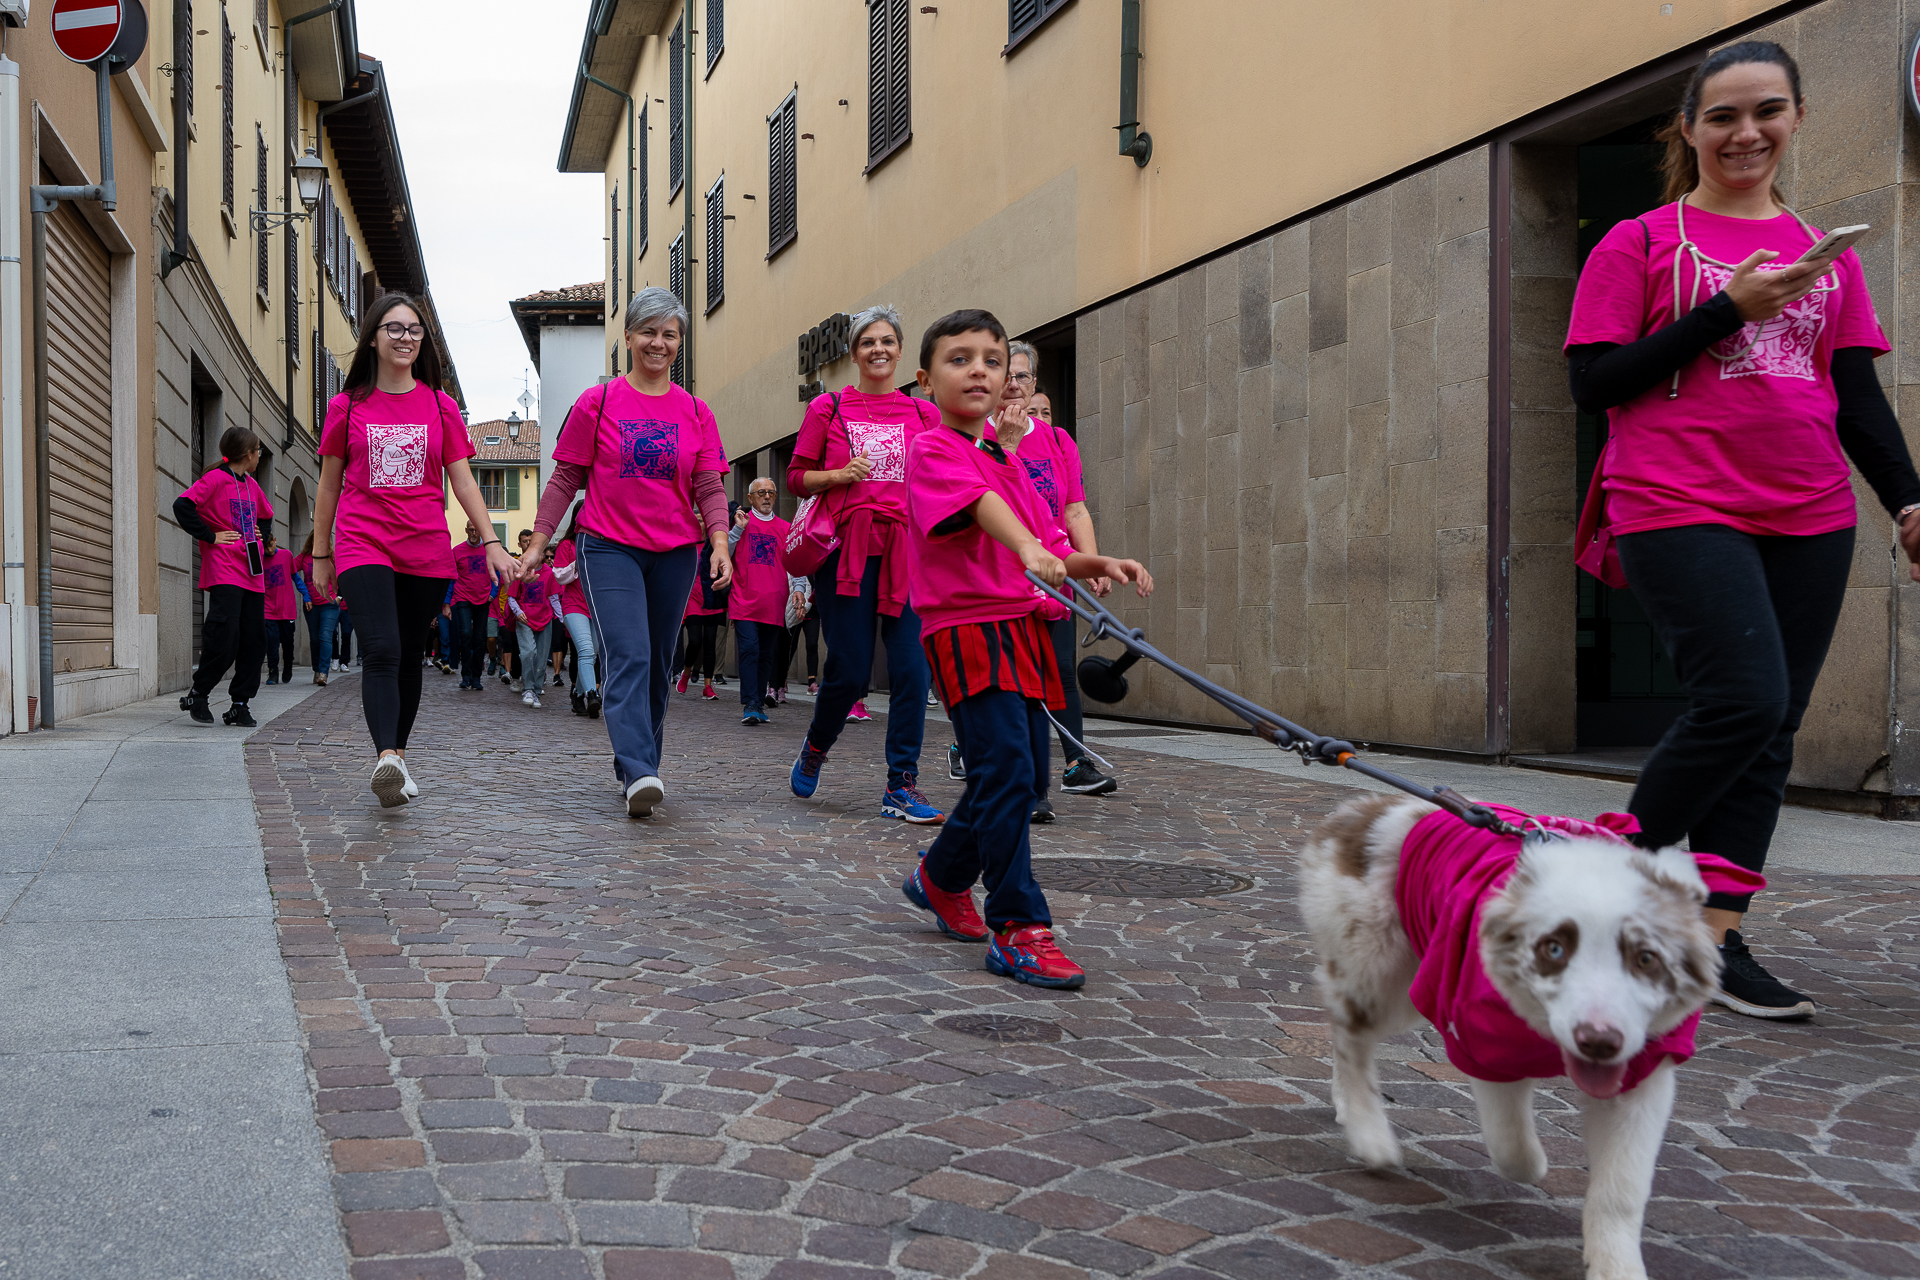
x=547, y=1041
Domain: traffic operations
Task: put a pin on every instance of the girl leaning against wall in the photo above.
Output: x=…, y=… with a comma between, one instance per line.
x=225, y=510
x=1738, y=379
x=379, y=525
x=649, y=455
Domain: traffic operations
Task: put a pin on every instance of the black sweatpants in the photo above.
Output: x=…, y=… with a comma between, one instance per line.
x=1747, y=621
x=392, y=612
x=1061, y=632
x=232, y=634
x=279, y=637
x=702, y=632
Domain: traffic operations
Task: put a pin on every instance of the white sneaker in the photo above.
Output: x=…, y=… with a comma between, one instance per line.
x=535, y=704
x=412, y=788
x=339, y=666
x=389, y=781
x=516, y=686
x=531, y=698
x=643, y=795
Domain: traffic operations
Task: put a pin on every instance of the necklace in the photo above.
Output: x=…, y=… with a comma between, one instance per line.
x=1825, y=284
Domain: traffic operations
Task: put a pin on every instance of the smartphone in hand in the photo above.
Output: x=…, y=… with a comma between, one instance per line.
x=1835, y=242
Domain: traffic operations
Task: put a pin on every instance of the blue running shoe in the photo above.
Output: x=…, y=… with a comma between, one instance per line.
x=805, y=778
x=906, y=803
x=754, y=716
x=953, y=912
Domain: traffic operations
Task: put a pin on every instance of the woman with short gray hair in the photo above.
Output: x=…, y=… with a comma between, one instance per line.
x=852, y=452
x=649, y=455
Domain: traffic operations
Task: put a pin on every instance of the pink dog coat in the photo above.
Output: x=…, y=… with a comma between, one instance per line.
x=1447, y=869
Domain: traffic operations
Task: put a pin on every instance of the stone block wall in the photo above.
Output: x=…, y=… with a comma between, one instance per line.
x=1294, y=438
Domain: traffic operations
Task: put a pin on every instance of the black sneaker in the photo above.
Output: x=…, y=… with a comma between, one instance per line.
x=239, y=716
x=1083, y=779
x=956, y=767
x=195, y=705
x=1746, y=986
x=593, y=705
x=579, y=703
x=1043, y=810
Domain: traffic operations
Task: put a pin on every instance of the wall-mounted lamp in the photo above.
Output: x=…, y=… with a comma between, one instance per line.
x=309, y=171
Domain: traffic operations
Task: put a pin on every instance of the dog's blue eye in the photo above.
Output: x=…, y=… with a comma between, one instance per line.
x=1554, y=950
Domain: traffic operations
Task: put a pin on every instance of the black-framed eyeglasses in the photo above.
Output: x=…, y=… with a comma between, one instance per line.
x=1020, y=379
x=397, y=331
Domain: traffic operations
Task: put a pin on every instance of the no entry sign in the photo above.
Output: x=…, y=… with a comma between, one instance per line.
x=85, y=30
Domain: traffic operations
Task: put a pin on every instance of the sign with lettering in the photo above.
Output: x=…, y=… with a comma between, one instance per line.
x=825, y=342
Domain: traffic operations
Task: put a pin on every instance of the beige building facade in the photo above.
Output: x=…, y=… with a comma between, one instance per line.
x=1310, y=348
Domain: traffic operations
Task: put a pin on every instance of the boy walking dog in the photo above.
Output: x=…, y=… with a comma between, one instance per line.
x=976, y=527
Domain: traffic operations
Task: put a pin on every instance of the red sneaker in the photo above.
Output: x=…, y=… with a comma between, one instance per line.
x=1026, y=953
x=953, y=912
x=682, y=686
x=708, y=691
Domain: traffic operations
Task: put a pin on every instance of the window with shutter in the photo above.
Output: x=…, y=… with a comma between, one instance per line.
x=677, y=285
x=319, y=386
x=640, y=208
x=513, y=488
x=613, y=242
x=783, y=164
x=260, y=19
x=183, y=74
x=326, y=230
x=677, y=110
x=263, y=269
x=1024, y=17
x=716, y=32
x=293, y=287
x=716, y=243
x=226, y=112
x=889, y=122
x=353, y=285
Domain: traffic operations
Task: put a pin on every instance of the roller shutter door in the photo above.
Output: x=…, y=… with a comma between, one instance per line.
x=80, y=410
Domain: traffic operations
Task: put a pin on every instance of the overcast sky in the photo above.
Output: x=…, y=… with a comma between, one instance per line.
x=480, y=96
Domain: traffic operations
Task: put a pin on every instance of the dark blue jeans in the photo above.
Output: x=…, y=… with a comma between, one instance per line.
x=322, y=619
x=848, y=622
x=1747, y=621
x=469, y=640
x=637, y=598
x=280, y=648
x=1006, y=741
x=759, y=652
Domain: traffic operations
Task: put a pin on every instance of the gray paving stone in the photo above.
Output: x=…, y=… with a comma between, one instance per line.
x=649, y=1224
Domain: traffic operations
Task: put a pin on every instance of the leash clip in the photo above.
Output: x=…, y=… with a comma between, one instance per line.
x=1534, y=831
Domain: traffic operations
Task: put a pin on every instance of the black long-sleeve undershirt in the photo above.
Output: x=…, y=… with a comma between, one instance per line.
x=1604, y=375
x=187, y=516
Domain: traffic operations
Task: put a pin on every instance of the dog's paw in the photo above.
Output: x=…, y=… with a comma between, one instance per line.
x=1373, y=1144
x=1528, y=1165
x=1617, y=1268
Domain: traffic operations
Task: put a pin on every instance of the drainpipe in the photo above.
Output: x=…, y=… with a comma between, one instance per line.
x=1134, y=141
x=319, y=268
x=182, y=251
x=290, y=108
x=686, y=139
x=43, y=201
x=633, y=123
x=12, y=434
x=286, y=194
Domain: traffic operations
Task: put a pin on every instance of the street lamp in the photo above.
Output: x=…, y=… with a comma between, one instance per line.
x=309, y=171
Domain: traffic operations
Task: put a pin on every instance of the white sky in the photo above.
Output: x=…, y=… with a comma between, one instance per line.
x=480, y=96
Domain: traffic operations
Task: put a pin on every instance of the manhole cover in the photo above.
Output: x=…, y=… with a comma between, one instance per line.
x=1127, y=878
x=1001, y=1028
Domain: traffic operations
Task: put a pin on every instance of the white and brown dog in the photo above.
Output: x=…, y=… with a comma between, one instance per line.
x=1577, y=954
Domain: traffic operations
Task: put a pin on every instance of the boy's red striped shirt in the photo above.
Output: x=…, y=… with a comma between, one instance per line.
x=1014, y=654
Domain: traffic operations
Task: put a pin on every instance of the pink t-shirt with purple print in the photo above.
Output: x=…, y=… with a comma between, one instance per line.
x=640, y=453
x=759, y=573
x=283, y=603
x=537, y=598
x=472, y=580
x=1751, y=440
x=572, y=598
x=1052, y=461
x=232, y=503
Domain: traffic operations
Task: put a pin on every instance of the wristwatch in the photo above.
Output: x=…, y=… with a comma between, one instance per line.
x=1900, y=516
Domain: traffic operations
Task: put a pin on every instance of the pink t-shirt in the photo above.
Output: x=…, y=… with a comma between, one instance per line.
x=641, y=453
x=969, y=576
x=472, y=580
x=1052, y=461
x=1750, y=442
x=1447, y=872
x=572, y=598
x=392, y=509
x=283, y=603
x=883, y=426
x=759, y=573
x=227, y=501
x=536, y=598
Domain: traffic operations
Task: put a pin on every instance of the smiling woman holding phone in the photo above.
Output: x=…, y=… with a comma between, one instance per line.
x=1732, y=346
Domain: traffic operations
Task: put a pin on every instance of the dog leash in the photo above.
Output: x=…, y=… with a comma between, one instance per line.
x=1312, y=748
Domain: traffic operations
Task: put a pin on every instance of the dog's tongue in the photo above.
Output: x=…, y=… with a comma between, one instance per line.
x=1593, y=1078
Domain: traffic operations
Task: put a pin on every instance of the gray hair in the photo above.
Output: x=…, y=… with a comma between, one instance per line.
x=1028, y=350
x=655, y=303
x=874, y=315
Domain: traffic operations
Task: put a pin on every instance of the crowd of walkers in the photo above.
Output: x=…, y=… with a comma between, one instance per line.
x=1723, y=496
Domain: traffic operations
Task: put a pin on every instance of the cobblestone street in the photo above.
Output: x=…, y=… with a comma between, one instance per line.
x=548, y=1041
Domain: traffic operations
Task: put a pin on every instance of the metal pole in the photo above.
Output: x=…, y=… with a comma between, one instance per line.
x=13, y=454
x=43, y=498
x=101, y=76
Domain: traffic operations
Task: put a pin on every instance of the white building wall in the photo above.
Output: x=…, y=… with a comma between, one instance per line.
x=570, y=360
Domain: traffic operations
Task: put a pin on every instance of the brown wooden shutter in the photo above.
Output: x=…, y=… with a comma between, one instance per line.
x=889, y=121
x=716, y=32
x=264, y=270
x=640, y=209
x=677, y=109
x=226, y=112
x=716, y=243
x=783, y=220
x=80, y=409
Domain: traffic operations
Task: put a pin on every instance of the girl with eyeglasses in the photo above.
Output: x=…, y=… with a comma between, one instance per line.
x=379, y=525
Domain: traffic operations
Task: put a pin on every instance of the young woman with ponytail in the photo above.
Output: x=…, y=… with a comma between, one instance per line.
x=1738, y=380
